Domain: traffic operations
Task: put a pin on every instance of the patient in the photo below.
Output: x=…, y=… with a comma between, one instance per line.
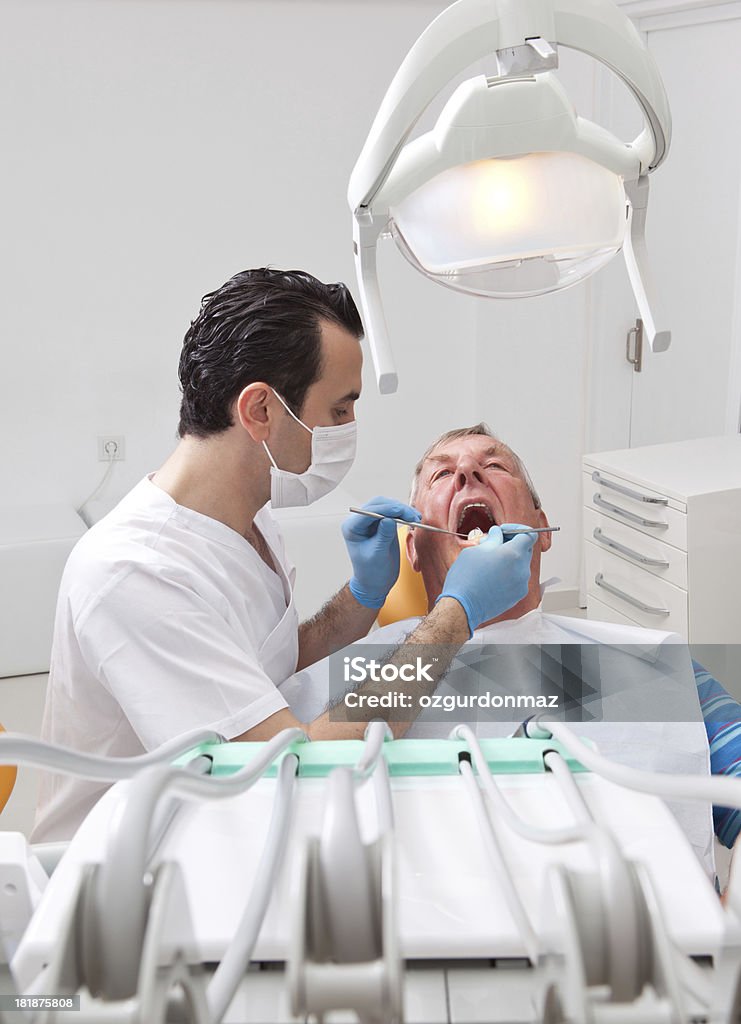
x=469, y=479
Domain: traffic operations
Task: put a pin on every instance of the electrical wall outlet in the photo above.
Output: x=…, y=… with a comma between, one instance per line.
x=111, y=447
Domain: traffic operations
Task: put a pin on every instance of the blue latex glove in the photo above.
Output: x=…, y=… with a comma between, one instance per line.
x=492, y=577
x=373, y=547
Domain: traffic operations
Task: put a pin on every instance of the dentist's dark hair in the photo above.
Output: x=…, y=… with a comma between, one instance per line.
x=262, y=325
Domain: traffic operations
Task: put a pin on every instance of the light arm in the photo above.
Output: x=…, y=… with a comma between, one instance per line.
x=636, y=260
x=365, y=240
x=460, y=35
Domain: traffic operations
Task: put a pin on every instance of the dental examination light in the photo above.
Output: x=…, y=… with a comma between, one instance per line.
x=512, y=194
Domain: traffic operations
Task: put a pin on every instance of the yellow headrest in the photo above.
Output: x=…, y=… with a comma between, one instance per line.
x=407, y=597
x=7, y=781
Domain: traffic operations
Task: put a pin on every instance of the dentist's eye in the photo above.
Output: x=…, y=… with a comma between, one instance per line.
x=441, y=472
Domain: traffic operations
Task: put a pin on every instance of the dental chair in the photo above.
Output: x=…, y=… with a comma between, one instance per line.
x=8, y=775
x=407, y=597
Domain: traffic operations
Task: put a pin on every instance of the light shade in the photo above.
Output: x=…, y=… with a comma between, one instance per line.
x=513, y=226
x=512, y=192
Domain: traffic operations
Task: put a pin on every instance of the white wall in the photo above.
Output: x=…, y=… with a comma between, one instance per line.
x=151, y=150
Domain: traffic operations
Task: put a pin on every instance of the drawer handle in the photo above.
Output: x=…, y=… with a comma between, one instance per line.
x=599, y=579
x=602, y=538
x=630, y=516
x=602, y=482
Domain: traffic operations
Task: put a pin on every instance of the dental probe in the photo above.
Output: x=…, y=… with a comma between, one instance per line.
x=439, y=529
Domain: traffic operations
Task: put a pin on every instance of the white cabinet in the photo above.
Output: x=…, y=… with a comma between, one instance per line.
x=662, y=537
x=693, y=237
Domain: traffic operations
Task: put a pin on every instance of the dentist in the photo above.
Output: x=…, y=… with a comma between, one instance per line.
x=175, y=611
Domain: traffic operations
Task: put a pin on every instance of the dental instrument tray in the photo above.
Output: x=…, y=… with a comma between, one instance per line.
x=380, y=876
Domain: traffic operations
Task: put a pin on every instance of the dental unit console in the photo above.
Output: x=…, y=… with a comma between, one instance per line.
x=416, y=880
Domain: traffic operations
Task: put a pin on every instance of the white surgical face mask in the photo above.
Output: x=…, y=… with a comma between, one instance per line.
x=332, y=454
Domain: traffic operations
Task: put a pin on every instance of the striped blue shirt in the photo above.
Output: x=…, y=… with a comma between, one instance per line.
x=722, y=716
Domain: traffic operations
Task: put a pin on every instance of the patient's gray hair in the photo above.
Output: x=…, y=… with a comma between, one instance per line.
x=479, y=429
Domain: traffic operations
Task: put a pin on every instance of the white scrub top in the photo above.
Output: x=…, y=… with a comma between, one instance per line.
x=167, y=622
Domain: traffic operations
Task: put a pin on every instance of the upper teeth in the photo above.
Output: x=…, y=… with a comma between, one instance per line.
x=474, y=504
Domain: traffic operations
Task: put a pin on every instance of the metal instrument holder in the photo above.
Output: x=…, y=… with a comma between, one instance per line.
x=170, y=984
x=610, y=939
x=20, y=873
x=127, y=945
x=345, y=953
x=659, y=977
x=605, y=930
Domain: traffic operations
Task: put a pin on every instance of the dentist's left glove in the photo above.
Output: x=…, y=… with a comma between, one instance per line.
x=373, y=547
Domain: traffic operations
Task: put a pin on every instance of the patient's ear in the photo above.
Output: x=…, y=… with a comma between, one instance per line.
x=544, y=538
x=412, y=550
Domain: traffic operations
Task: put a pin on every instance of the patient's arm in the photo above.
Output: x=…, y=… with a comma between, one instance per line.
x=443, y=632
x=342, y=621
x=722, y=717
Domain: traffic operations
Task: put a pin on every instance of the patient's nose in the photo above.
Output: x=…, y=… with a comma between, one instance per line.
x=467, y=470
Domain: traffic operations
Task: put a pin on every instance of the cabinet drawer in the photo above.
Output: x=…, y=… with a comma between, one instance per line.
x=642, y=597
x=667, y=523
x=601, y=612
x=663, y=560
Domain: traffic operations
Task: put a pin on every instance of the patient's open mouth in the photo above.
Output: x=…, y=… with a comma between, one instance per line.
x=476, y=515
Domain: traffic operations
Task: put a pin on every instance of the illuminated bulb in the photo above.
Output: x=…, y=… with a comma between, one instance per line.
x=561, y=208
x=501, y=198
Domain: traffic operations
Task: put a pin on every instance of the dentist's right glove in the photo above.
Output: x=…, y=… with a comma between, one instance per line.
x=490, y=578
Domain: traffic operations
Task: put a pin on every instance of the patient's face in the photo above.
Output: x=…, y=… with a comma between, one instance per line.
x=466, y=483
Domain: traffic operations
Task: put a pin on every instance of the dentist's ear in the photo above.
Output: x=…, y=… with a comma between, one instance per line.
x=412, y=551
x=255, y=410
x=544, y=539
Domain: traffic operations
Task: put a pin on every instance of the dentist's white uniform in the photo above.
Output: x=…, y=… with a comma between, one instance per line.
x=167, y=622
